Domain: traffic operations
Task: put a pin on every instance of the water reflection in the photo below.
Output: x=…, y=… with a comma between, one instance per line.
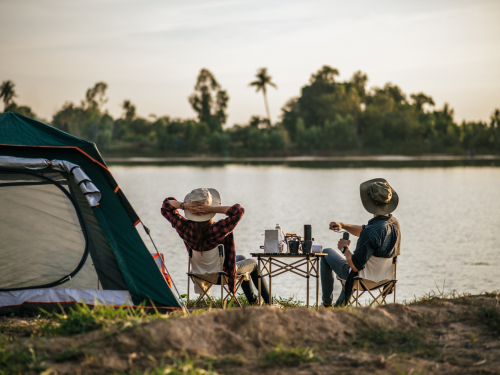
x=449, y=216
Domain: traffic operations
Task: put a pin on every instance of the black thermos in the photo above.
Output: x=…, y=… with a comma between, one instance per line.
x=307, y=232
x=345, y=236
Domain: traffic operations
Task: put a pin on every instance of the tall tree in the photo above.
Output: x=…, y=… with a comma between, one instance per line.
x=420, y=99
x=7, y=92
x=263, y=79
x=95, y=96
x=129, y=110
x=209, y=101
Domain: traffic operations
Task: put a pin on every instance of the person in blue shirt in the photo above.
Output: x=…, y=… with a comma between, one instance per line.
x=381, y=237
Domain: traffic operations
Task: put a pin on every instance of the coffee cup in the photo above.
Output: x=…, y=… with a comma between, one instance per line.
x=294, y=247
x=306, y=247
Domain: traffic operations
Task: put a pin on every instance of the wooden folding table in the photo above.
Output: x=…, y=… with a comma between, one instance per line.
x=273, y=264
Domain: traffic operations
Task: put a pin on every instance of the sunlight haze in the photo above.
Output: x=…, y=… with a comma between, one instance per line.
x=150, y=52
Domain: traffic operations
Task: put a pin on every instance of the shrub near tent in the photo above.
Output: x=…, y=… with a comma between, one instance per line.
x=67, y=230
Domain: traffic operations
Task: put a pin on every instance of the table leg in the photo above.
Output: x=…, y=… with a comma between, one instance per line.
x=270, y=281
x=316, y=260
x=308, y=274
x=259, y=282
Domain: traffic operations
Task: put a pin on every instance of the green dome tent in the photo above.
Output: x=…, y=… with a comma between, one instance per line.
x=67, y=231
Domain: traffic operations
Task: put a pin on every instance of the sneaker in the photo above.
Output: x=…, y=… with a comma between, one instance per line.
x=323, y=306
x=276, y=305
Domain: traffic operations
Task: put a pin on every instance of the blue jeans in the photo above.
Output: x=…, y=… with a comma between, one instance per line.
x=333, y=262
x=250, y=266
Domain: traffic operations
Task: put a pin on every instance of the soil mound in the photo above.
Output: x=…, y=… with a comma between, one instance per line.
x=439, y=336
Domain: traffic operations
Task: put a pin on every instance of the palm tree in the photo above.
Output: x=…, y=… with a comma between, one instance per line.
x=263, y=79
x=129, y=109
x=7, y=92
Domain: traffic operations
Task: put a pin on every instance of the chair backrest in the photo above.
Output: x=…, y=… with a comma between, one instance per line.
x=377, y=269
x=207, y=262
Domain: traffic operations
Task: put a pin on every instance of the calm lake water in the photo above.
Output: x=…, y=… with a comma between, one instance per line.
x=450, y=217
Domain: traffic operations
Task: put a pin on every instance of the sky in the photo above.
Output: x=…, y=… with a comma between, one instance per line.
x=151, y=51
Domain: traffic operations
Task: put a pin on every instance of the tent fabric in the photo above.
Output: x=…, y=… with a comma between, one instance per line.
x=44, y=296
x=34, y=247
x=23, y=132
x=41, y=235
x=92, y=194
x=23, y=163
x=102, y=256
x=114, y=216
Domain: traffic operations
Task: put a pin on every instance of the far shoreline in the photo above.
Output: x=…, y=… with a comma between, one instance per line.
x=203, y=158
x=374, y=161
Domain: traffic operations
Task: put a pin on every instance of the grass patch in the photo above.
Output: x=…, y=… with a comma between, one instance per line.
x=491, y=317
x=433, y=297
x=14, y=362
x=83, y=318
x=379, y=338
x=182, y=368
x=20, y=360
x=290, y=302
x=173, y=364
x=10, y=333
x=290, y=357
x=227, y=360
x=215, y=302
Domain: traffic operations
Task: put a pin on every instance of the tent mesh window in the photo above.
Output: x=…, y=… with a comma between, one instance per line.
x=43, y=239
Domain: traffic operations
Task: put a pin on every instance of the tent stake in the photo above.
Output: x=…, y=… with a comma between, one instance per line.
x=161, y=260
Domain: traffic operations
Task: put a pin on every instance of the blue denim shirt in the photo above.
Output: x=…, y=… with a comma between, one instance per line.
x=380, y=238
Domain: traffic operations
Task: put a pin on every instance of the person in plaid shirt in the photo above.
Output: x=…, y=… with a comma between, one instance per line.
x=200, y=233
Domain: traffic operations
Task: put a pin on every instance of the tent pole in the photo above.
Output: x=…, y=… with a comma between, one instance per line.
x=161, y=260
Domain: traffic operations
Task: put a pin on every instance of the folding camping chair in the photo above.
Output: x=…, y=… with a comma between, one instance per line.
x=205, y=269
x=379, y=277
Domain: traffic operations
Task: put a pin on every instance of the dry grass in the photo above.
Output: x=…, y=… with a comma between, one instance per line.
x=436, y=333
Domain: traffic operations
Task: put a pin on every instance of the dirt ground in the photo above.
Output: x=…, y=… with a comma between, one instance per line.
x=457, y=336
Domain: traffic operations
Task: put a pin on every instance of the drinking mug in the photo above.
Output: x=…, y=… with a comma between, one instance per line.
x=294, y=247
x=306, y=247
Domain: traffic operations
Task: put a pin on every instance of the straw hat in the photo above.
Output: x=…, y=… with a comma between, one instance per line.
x=206, y=196
x=378, y=197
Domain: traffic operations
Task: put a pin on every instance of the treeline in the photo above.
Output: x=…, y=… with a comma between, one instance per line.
x=328, y=118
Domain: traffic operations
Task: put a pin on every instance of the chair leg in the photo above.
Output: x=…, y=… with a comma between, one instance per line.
x=375, y=299
x=202, y=297
x=238, y=301
x=357, y=299
x=189, y=279
x=385, y=293
x=234, y=295
x=222, y=300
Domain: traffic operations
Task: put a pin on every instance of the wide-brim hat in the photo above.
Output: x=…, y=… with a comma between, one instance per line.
x=206, y=196
x=378, y=197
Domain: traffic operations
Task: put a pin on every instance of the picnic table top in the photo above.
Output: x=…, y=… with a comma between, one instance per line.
x=287, y=255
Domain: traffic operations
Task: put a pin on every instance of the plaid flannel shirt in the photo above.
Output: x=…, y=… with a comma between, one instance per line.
x=220, y=232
